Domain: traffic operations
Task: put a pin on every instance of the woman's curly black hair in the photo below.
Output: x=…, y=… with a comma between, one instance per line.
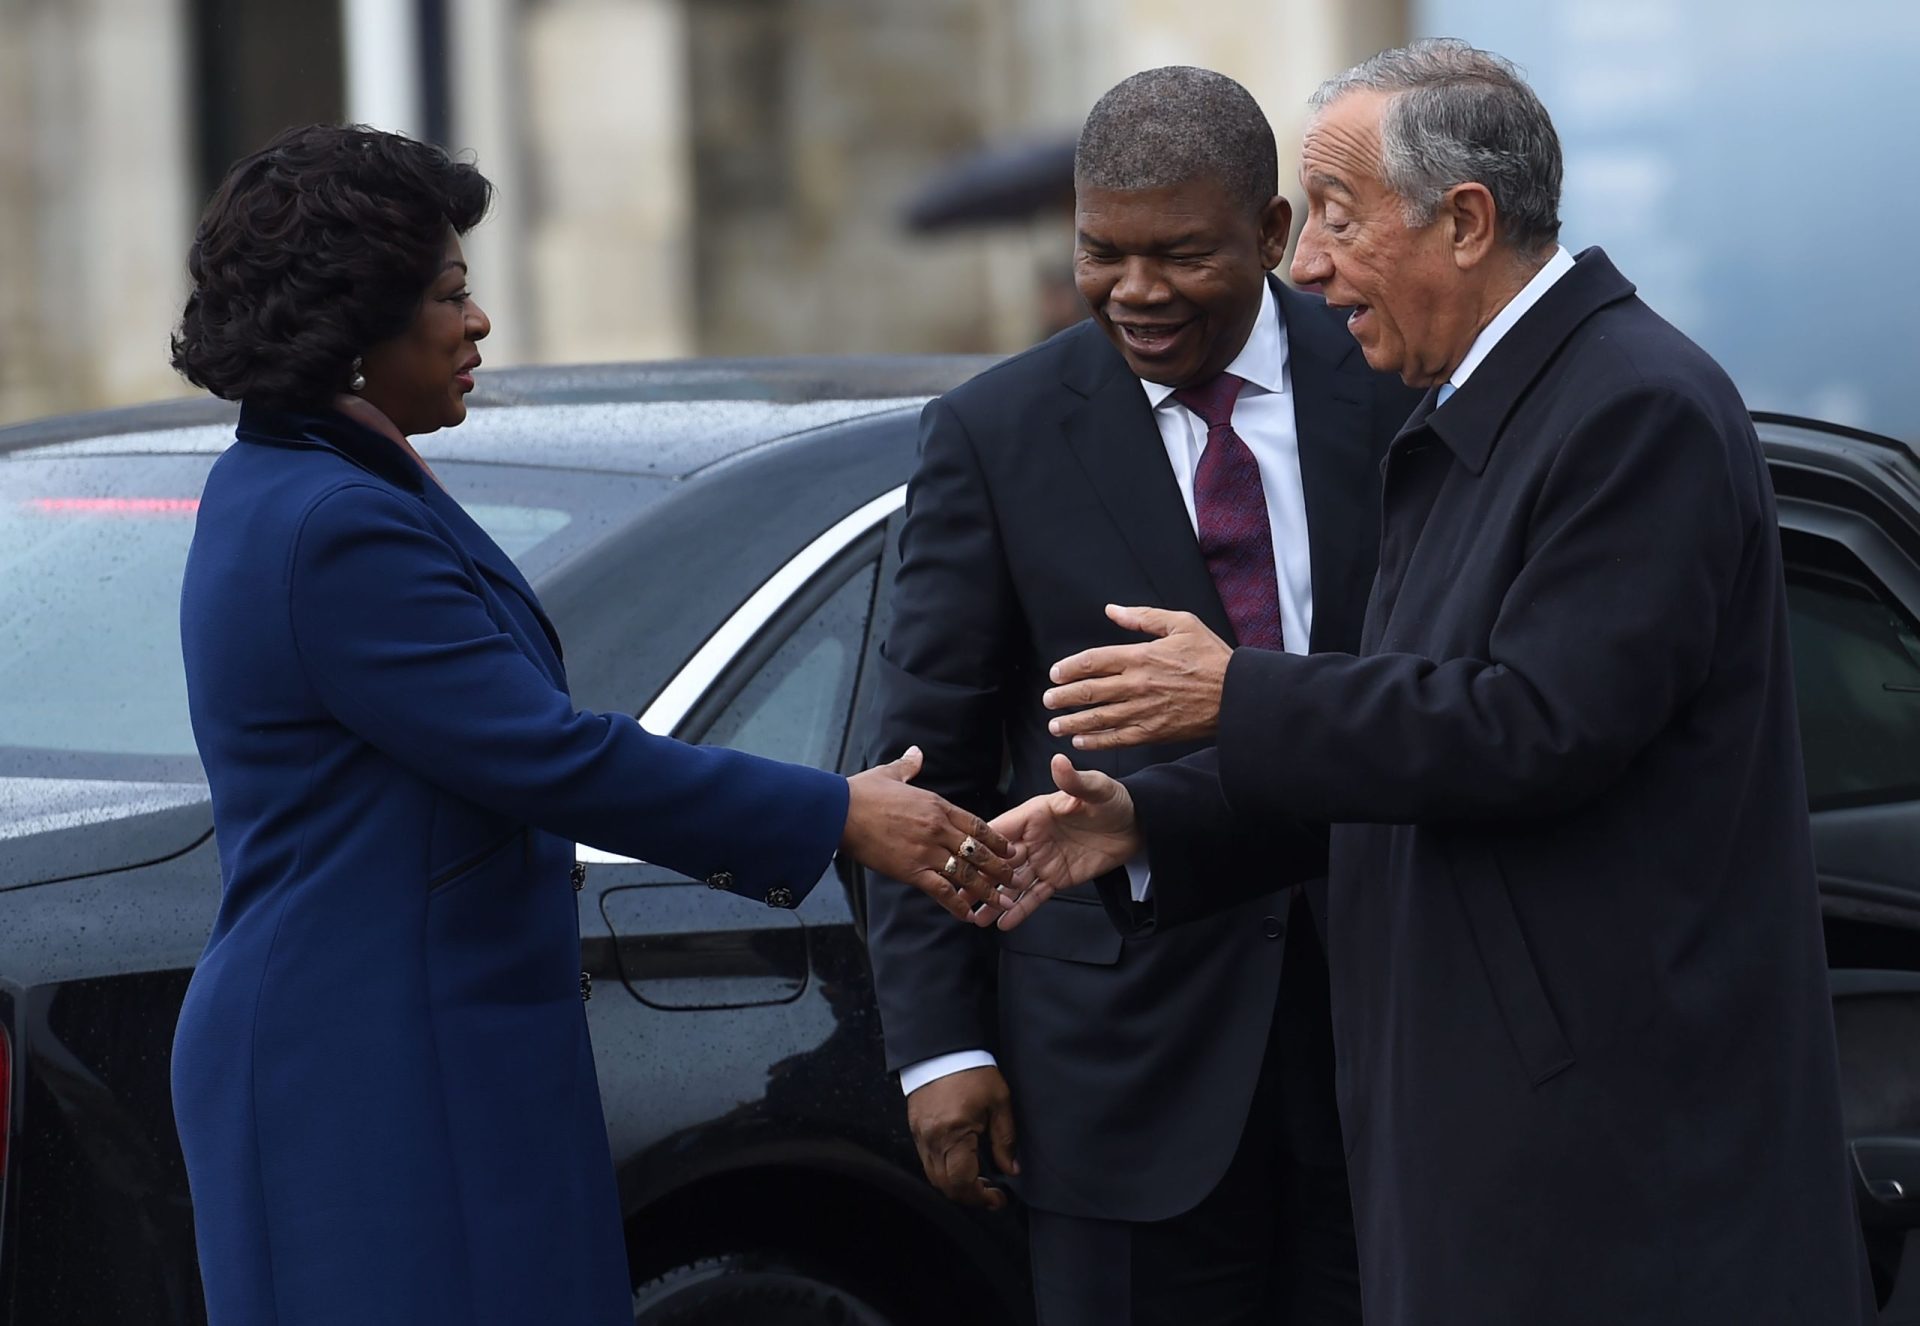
x=314, y=248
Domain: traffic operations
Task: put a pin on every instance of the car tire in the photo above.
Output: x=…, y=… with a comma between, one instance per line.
x=750, y=1289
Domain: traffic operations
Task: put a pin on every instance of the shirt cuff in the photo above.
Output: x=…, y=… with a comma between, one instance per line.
x=915, y=1076
x=1140, y=877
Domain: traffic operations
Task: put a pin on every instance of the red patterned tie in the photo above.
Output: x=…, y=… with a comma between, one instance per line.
x=1230, y=508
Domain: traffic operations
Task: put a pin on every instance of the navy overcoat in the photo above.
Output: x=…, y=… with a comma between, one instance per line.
x=382, y=1077
x=1586, y=1056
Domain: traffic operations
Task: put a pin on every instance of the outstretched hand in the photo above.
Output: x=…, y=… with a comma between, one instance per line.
x=1166, y=689
x=1067, y=837
x=913, y=835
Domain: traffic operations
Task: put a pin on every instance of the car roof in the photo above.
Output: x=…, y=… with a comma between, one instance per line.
x=666, y=419
x=1776, y=426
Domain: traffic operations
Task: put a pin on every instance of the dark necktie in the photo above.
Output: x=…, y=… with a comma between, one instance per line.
x=1230, y=508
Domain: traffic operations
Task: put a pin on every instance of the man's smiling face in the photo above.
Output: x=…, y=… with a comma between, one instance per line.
x=1173, y=274
x=1400, y=282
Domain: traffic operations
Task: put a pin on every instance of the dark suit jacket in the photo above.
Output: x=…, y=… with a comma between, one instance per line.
x=381, y=1074
x=1044, y=493
x=1586, y=1055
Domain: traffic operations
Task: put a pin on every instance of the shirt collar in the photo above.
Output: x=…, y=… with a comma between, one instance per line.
x=1262, y=361
x=1555, y=267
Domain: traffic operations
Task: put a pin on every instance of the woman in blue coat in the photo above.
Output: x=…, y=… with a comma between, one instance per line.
x=381, y=1076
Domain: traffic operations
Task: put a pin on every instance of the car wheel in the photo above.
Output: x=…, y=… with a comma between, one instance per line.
x=750, y=1289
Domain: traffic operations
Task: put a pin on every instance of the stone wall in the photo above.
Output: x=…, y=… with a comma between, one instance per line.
x=606, y=176
x=676, y=176
x=813, y=121
x=95, y=201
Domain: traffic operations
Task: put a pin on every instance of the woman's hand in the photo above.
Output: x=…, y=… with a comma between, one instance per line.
x=910, y=834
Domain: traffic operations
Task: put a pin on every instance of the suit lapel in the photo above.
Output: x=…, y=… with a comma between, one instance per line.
x=1338, y=470
x=1112, y=434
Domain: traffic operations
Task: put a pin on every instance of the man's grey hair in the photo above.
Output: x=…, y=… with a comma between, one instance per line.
x=1170, y=125
x=1459, y=115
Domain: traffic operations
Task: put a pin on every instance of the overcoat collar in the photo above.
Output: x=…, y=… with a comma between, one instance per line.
x=328, y=430
x=1471, y=420
x=331, y=431
x=1112, y=432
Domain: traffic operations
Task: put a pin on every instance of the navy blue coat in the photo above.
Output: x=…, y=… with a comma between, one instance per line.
x=381, y=1076
x=1586, y=1053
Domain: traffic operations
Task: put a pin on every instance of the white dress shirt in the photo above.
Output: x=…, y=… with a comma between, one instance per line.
x=1263, y=417
x=1555, y=267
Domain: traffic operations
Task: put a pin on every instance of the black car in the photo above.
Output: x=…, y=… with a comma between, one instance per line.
x=714, y=543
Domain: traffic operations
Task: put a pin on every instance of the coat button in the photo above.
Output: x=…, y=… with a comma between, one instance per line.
x=1274, y=928
x=780, y=898
x=720, y=879
x=579, y=875
x=586, y=986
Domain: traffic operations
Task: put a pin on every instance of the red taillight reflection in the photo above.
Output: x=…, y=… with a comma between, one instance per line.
x=168, y=506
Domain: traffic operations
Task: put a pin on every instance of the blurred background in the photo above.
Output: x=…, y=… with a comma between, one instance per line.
x=743, y=177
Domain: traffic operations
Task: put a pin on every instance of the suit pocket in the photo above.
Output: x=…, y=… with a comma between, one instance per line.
x=471, y=864
x=1531, y=1023
x=1069, y=929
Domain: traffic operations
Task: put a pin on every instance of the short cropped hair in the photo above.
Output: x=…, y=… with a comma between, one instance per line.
x=1459, y=115
x=1170, y=125
x=313, y=249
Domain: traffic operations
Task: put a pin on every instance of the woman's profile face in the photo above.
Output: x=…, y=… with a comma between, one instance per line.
x=420, y=378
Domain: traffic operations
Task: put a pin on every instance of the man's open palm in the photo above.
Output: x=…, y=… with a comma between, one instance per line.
x=1067, y=837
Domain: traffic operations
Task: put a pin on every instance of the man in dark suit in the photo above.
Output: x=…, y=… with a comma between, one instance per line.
x=1210, y=439
x=1586, y=1057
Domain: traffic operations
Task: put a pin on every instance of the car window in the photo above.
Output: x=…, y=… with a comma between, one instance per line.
x=1856, y=657
x=518, y=530
x=93, y=548
x=89, y=611
x=794, y=705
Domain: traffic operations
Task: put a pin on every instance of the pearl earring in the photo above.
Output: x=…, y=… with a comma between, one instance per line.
x=358, y=382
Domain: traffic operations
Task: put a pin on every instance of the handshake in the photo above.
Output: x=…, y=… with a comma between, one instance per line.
x=992, y=874
x=1164, y=690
